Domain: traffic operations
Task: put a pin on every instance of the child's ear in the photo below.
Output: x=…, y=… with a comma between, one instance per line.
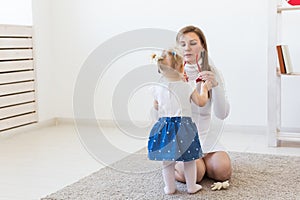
x=181, y=68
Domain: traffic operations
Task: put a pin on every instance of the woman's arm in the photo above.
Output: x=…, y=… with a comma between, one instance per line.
x=220, y=103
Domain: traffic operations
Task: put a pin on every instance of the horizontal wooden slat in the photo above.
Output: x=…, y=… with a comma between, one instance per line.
x=15, y=43
x=15, y=31
x=16, y=65
x=16, y=88
x=16, y=76
x=17, y=121
x=17, y=110
x=15, y=54
x=16, y=99
x=17, y=94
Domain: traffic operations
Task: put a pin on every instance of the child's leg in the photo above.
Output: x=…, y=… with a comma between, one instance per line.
x=169, y=177
x=190, y=177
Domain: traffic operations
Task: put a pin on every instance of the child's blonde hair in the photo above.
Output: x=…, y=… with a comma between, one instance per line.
x=169, y=58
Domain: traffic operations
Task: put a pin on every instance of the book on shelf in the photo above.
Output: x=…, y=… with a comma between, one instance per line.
x=284, y=59
x=280, y=59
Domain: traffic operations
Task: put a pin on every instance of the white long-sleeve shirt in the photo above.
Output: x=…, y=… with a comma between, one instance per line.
x=202, y=116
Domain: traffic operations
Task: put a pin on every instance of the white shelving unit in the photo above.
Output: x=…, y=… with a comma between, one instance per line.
x=275, y=132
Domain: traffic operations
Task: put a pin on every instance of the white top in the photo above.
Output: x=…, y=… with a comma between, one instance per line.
x=174, y=98
x=210, y=126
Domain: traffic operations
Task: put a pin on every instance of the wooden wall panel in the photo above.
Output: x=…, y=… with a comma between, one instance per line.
x=17, y=78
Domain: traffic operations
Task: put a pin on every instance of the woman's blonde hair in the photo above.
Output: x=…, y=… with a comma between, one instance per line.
x=204, y=54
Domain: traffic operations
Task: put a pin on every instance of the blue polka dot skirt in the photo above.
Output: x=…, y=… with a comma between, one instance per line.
x=174, y=139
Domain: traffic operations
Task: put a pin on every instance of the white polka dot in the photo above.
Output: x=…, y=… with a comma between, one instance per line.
x=173, y=140
x=197, y=149
x=173, y=159
x=169, y=151
x=179, y=151
x=193, y=158
x=163, y=140
x=159, y=151
x=167, y=132
x=181, y=141
x=193, y=140
x=154, y=140
x=189, y=151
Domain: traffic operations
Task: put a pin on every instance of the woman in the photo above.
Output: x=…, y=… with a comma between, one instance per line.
x=216, y=163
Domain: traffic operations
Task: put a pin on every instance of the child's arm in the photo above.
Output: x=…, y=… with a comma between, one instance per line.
x=200, y=99
x=155, y=104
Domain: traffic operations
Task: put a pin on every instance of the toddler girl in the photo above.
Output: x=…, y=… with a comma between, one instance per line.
x=174, y=136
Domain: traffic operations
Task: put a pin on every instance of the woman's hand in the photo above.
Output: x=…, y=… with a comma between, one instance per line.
x=209, y=76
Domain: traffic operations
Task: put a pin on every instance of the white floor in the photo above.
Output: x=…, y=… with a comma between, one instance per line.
x=36, y=163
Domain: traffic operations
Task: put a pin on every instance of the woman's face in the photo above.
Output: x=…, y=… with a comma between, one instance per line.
x=191, y=46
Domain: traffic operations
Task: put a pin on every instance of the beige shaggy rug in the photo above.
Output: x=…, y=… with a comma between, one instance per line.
x=255, y=176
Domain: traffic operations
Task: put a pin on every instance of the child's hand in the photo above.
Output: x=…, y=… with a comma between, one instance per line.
x=185, y=77
x=206, y=84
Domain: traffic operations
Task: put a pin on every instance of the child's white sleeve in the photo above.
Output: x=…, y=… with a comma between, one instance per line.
x=153, y=91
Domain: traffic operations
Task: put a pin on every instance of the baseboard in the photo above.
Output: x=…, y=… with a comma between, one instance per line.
x=30, y=127
x=290, y=129
x=248, y=129
x=84, y=122
x=100, y=122
x=111, y=123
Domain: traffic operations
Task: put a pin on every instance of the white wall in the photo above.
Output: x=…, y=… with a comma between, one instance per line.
x=45, y=67
x=71, y=29
x=18, y=12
